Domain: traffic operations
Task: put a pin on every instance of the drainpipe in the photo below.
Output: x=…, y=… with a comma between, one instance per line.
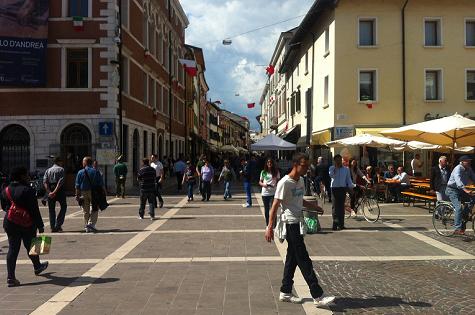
x=170, y=83
x=310, y=118
x=120, y=140
x=403, y=23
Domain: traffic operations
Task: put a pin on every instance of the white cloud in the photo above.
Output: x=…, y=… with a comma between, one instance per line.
x=238, y=67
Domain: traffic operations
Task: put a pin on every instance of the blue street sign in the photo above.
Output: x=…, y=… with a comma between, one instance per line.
x=105, y=128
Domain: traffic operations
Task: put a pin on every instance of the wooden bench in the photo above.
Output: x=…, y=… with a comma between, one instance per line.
x=409, y=196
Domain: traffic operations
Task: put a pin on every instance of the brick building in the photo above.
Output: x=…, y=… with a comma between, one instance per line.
x=76, y=113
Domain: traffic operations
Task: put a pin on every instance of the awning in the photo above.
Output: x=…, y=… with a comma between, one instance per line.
x=321, y=137
x=293, y=134
x=372, y=131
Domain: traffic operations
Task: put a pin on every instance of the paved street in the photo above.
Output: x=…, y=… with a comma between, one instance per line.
x=211, y=258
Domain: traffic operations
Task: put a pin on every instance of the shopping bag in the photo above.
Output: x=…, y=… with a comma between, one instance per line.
x=313, y=225
x=40, y=245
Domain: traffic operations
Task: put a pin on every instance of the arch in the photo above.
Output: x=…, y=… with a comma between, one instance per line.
x=75, y=144
x=14, y=148
x=135, y=154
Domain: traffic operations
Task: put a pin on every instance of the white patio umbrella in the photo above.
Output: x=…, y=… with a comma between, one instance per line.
x=229, y=148
x=272, y=143
x=242, y=150
x=365, y=140
x=417, y=145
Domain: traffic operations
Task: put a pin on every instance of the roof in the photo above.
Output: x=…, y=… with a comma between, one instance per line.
x=308, y=21
x=199, y=55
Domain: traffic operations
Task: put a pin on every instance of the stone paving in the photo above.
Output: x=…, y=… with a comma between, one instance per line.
x=211, y=258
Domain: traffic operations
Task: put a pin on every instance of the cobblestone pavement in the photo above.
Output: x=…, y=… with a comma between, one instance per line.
x=211, y=258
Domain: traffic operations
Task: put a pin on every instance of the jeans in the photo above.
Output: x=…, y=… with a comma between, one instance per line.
x=120, y=186
x=190, y=187
x=456, y=197
x=144, y=197
x=247, y=189
x=338, y=206
x=15, y=236
x=158, y=188
x=206, y=190
x=227, y=189
x=179, y=179
x=441, y=196
x=267, y=200
x=61, y=198
x=297, y=255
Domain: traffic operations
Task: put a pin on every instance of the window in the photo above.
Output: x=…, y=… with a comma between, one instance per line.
x=367, y=32
x=470, y=85
x=165, y=101
x=292, y=104
x=78, y=8
x=145, y=143
x=367, y=82
x=306, y=62
x=159, y=104
x=125, y=142
x=325, y=92
x=124, y=68
x=77, y=67
x=151, y=38
x=145, y=30
x=180, y=112
x=298, y=107
x=327, y=40
x=160, y=48
x=432, y=32
x=153, y=144
x=152, y=93
x=470, y=33
x=433, y=85
x=124, y=11
x=145, y=88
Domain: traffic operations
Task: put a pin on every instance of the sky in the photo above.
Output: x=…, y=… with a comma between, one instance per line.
x=236, y=73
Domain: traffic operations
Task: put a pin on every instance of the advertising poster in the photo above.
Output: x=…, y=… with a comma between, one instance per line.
x=23, y=42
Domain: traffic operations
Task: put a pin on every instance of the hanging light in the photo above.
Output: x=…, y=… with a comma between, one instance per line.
x=227, y=41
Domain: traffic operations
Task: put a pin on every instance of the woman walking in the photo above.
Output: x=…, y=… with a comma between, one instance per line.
x=190, y=179
x=21, y=222
x=227, y=174
x=268, y=179
x=207, y=174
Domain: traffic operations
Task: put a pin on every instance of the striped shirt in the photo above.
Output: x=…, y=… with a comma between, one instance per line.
x=146, y=176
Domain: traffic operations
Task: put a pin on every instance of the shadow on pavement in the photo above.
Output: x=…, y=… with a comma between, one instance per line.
x=343, y=304
x=69, y=281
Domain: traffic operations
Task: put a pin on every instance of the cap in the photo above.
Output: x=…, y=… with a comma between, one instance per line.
x=465, y=158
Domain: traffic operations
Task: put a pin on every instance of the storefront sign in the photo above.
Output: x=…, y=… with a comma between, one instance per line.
x=106, y=156
x=23, y=42
x=432, y=116
x=343, y=132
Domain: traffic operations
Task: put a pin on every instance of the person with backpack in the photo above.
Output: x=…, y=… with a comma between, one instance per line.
x=21, y=222
x=227, y=175
x=87, y=180
x=189, y=177
x=268, y=179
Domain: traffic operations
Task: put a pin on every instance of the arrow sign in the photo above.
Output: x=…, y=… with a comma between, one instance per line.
x=105, y=128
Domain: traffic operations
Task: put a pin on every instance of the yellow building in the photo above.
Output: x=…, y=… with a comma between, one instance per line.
x=376, y=64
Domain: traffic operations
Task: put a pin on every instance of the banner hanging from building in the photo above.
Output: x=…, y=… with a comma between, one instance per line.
x=23, y=42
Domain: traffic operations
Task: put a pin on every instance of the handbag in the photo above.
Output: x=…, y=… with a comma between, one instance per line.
x=18, y=215
x=97, y=194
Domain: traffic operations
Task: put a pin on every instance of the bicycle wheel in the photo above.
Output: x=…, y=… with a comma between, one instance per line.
x=371, y=209
x=443, y=219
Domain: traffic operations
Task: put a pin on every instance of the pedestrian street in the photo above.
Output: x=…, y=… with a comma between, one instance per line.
x=211, y=258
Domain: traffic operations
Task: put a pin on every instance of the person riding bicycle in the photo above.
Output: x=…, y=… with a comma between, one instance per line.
x=461, y=176
x=359, y=179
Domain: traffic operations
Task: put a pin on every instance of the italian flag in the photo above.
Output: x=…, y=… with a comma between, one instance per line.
x=78, y=23
x=190, y=67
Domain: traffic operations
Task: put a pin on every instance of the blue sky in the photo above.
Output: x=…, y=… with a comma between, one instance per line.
x=240, y=67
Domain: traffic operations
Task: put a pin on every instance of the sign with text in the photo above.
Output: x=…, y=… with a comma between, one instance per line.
x=343, y=132
x=106, y=156
x=23, y=42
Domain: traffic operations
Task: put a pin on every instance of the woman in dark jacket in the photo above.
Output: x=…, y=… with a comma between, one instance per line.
x=24, y=197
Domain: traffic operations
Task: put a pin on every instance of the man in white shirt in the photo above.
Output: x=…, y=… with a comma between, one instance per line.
x=158, y=166
x=403, y=180
x=416, y=165
x=289, y=196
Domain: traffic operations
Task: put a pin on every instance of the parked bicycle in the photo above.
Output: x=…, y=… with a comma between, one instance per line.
x=367, y=204
x=443, y=217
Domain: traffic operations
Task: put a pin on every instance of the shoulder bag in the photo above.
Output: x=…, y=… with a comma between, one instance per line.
x=97, y=194
x=18, y=215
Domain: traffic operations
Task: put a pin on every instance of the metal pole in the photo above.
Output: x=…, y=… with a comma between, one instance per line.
x=170, y=95
x=120, y=140
x=186, y=115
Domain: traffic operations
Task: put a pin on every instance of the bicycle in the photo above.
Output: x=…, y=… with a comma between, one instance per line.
x=443, y=217
x=367, y=203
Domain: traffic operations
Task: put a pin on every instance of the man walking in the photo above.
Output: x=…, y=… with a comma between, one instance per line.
x=439, y=177
x=179, y=168
x=246, y=175
x=159, y=176
x=461, y=176
x=340, y=184
x=120, y=172
x=289, y=197
x=147, y=178
x=53, y=182
x=88, y=179
x=199, y=165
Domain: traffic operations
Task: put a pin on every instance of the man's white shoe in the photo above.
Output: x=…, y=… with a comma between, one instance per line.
x=286, y=297
x=323, y=300
x=353, y=213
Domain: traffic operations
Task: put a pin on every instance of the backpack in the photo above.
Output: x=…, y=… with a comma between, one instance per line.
x=18, y=215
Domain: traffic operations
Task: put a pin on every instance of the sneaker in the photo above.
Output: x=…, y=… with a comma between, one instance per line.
x=323, y=300
x=92, y=228
x=353, y=213
x=160, y=204
x=246, y=205
x=152, y=218
x=41, y=268
x=59, y=229
x=86, y=230
x=288, y=297
x=12, y=283
x=140, y=217
x=54, y=230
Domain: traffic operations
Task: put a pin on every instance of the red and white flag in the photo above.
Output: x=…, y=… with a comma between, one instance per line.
x=270, y=70
x=190, y=66
x=251, y=105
